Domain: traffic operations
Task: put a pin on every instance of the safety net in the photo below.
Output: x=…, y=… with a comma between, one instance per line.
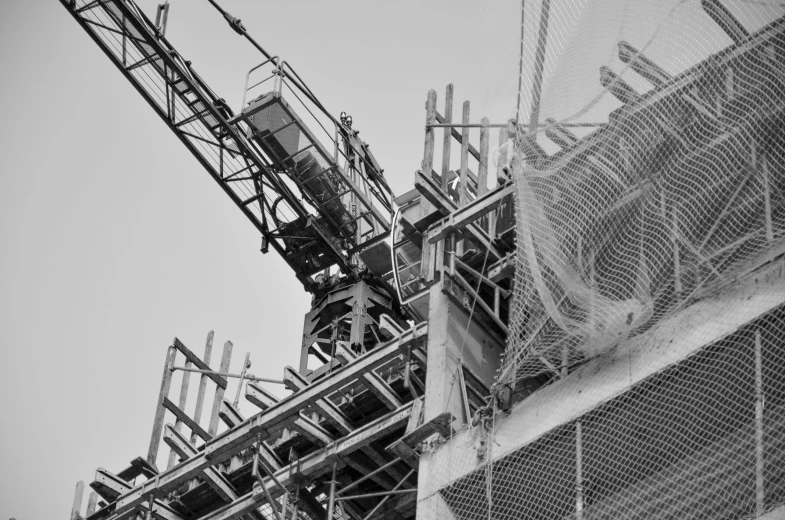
x=655, y=173
x=648, y=169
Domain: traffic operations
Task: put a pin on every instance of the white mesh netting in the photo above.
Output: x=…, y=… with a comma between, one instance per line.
x=677, y=187
x=649, y=175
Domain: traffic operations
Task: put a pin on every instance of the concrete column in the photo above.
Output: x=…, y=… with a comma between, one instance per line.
x=450, y=340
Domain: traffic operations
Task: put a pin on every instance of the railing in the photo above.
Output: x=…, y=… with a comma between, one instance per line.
x=336, y=136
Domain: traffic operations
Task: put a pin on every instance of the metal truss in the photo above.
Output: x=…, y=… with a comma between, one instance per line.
x=255, y=182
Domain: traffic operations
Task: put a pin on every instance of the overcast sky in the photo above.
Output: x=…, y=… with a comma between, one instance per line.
x=114, y=240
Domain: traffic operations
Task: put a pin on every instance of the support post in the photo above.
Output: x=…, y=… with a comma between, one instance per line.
x=226, y=357
x=158, y=421
x=208, y=352
x=539, y=65
x=91, y=504
x=464, y=187
x=454, y=340
x=181, y=402
x=760, y=497
x=161, y=17
x=482, y=169
x=447, y=139
x=430, y=118
x=77, y=505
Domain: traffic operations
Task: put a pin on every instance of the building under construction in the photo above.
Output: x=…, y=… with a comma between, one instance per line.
x=579, y=313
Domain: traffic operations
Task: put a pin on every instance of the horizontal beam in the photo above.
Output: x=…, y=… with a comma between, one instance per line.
x=182, y=416
x=200, y=365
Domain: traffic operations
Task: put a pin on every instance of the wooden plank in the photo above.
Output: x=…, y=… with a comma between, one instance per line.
x=447, y=138
x=430, y=111
x=76, y=507
x=182, y=416
x=463, y=193
x=208, y=350
x=501, y=176
x=181, y=401
x=277, y=417
x=91, y=504
x=416, y=417
x=158, y=421
x=482, y=169
x=193, y=358
x=226, y=357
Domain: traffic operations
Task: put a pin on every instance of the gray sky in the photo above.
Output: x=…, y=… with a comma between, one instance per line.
x=114, y=239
